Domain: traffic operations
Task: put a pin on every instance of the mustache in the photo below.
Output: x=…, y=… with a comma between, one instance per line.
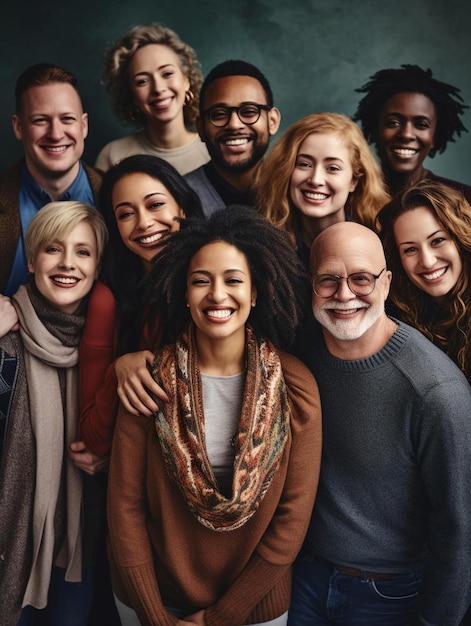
x=344, y=306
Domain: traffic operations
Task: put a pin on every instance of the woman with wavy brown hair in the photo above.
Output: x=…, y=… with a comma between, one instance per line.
x=153, y=79
x=319, y=172
x=426, y=233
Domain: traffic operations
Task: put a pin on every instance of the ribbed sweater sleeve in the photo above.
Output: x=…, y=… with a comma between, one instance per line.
x=132, y=550
x=98, y=383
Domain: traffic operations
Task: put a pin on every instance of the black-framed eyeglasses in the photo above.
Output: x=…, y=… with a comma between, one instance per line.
x=359, y=283
x=248, y=113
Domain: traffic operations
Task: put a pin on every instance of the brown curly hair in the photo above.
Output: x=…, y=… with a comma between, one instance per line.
x=116, y=63
x=448, y=323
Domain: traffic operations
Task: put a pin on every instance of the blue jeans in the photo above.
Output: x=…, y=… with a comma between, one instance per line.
x=68, y=604
x=322, y=595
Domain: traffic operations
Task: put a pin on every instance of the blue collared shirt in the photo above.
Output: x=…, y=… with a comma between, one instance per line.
x=31, y=199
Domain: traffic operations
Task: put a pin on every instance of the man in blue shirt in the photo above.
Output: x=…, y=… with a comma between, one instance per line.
x=50, y=122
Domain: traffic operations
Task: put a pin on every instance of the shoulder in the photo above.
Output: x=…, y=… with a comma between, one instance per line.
x=94, y=176
x=101, y=297
x=101, y=302
x=295, y=371
x=121, y=148
x=454, y=184
x=309, y=340
x=197, y=146
x=427, y=367
x=197, y=176
x=10, y=181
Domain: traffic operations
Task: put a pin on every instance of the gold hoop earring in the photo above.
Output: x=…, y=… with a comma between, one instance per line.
x=189, y=97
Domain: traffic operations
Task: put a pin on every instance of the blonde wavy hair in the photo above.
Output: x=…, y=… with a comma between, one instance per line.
x=447, y=323
x=274, y=174
x=116, y=63
x=56, y=220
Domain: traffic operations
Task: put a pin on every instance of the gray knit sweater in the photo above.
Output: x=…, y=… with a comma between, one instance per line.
x=395, y=485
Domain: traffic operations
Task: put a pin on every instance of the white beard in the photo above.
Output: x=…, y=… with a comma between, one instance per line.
x=348, y=329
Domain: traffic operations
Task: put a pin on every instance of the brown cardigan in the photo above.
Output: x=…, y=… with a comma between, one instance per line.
x=10, y=182
x=162, y=556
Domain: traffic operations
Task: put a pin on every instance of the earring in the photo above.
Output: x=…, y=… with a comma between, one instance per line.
x=253, y=303
x=189, y=97
x=134, y=114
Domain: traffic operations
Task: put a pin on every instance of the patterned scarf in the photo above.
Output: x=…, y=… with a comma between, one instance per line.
x=264, y=429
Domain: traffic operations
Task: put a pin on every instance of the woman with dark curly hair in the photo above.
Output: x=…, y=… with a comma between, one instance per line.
x=426, y=232
x=410, y=115
x=153, y=79
x=209, y=499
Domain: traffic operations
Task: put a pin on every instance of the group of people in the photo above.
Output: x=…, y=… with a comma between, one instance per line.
x=236, y=392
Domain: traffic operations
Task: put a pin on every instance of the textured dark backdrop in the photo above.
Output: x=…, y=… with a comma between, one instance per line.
x=314, y=52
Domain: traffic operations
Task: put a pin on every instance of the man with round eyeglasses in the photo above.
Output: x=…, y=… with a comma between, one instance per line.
x=390, y=534
x=237, y=118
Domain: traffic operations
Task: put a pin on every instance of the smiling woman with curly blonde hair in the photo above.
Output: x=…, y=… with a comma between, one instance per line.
x=153, y=79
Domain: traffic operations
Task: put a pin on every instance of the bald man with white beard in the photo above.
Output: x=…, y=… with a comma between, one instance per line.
x=389, y=543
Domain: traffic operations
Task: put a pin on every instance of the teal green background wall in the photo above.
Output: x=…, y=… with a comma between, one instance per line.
x=314, y=52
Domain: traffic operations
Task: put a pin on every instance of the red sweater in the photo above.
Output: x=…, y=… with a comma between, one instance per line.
x=98, y=352
x=162, y=556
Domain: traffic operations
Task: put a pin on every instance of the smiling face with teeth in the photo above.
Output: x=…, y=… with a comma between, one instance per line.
x=158, y=84
x=64, y=271
x=220, y=294
x=353, y=326
x=406, y=134
x=236, y=148
x=428, y=254
x=52, y=126
x=321, y=181
x=146, y=213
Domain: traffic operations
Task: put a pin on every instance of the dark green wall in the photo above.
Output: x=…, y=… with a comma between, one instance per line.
x=314, y=52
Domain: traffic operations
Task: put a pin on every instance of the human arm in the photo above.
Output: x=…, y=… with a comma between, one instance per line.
x=97, y=379
x=444, y=457
x=8, y=316
x=127, y=506
x=284, y=535
x=135, y=382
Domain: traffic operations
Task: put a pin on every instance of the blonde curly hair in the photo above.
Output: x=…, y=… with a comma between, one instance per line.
x=116, y=63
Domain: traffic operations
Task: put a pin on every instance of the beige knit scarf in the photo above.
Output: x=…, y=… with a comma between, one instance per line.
x=263, y=431
x=54, y=431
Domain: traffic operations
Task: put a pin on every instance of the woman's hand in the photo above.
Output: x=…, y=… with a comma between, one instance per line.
x=135, y=383
x=8, y=316
x=195, y=618
x=85, y=460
